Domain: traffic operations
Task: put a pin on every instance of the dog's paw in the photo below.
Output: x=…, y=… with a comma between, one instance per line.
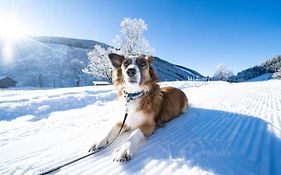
x=93, y=148
x=97, y=146
x=122, y=154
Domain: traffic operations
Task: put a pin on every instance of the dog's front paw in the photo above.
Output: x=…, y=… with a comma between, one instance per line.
x=97, y=146
x=93, y=148
x=123, y=153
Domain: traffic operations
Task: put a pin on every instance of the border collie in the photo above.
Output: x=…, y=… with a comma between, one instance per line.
x=148, y=105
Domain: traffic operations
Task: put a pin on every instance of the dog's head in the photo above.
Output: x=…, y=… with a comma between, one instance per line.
x=133, y=71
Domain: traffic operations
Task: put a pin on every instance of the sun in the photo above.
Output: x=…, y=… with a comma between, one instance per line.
x=10, y=28
x=11, y=32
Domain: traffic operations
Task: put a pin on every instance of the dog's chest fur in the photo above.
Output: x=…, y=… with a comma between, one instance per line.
x=135, y=116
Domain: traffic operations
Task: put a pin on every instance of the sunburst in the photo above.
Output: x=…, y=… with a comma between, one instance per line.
x=10, y=28
x=11, y=31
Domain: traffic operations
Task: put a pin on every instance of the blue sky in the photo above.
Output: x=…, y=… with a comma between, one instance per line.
x=194, y=33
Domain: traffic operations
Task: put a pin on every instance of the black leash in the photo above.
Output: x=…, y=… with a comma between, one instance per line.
x=87, y=155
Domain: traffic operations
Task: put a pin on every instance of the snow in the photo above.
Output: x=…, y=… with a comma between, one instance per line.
x=189, y=72
x=228, y=129
x=39, y=64
x=2, y=77
x=101, y=83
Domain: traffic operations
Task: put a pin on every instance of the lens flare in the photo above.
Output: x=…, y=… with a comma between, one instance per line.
x=10, y=28
x=11, y=32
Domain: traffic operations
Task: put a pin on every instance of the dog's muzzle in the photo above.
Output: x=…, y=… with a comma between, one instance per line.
x=131, y=72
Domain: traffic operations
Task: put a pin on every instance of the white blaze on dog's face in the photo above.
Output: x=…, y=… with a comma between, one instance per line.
x=131, y=71
x=135, y=70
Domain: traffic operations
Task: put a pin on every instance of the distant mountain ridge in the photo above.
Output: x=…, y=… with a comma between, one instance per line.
x=268, y=67
x=44, y=61
x=71, y=42
x=169, y=72
x=193, y=72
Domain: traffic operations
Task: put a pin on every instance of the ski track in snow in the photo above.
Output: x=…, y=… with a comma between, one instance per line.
x=228, y=129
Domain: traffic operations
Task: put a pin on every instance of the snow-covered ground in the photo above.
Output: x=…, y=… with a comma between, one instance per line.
x=228, y=129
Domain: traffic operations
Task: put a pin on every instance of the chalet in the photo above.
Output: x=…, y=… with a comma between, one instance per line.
x=6, y=81
x=100, y=83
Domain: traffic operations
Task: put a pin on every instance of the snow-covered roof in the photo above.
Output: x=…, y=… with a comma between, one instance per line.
x=100, y=82
x=2, y=77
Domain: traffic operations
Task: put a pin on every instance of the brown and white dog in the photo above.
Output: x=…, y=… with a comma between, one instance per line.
x=148, y=105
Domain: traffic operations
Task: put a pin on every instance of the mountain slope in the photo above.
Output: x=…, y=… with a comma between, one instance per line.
x=228, y=129
x=170, y=72
x=269, y=66
x=71, y=42
x=57, y=62
x=46, y=61
x=194, y=73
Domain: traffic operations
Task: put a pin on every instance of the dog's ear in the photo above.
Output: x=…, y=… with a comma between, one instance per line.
x=149, y=59
x=116, y=60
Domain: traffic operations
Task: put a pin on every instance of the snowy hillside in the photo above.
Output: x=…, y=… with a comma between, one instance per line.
x=193, y=73
x=170, y=72
x=263, y=70
x=57, y=62
x=263, y=77
x=229, y=129
x=72, y=42
x=45, y=63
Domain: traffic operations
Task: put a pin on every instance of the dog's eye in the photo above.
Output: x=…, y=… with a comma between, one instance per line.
x=126, y=64
x=143, y=64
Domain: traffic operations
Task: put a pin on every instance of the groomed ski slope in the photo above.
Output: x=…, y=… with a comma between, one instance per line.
x=228, y=129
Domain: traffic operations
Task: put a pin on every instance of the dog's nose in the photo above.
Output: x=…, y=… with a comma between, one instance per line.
x=131, y=72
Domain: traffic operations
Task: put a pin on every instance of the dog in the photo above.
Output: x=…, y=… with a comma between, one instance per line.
x=148, y=105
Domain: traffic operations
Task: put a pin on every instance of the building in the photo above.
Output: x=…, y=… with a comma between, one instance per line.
x=100, y=83
x=6, y=81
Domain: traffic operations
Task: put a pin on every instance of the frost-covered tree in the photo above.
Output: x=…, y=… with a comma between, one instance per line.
x=277, y=74
x=41, y=80
x=99, y=65
x=222, y=73
x=131, y=41
x=76, y=68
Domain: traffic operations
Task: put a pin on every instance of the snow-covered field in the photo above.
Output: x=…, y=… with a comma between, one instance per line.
x=228, y=129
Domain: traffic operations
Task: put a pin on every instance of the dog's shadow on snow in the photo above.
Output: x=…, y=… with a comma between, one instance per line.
x=217, y=141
